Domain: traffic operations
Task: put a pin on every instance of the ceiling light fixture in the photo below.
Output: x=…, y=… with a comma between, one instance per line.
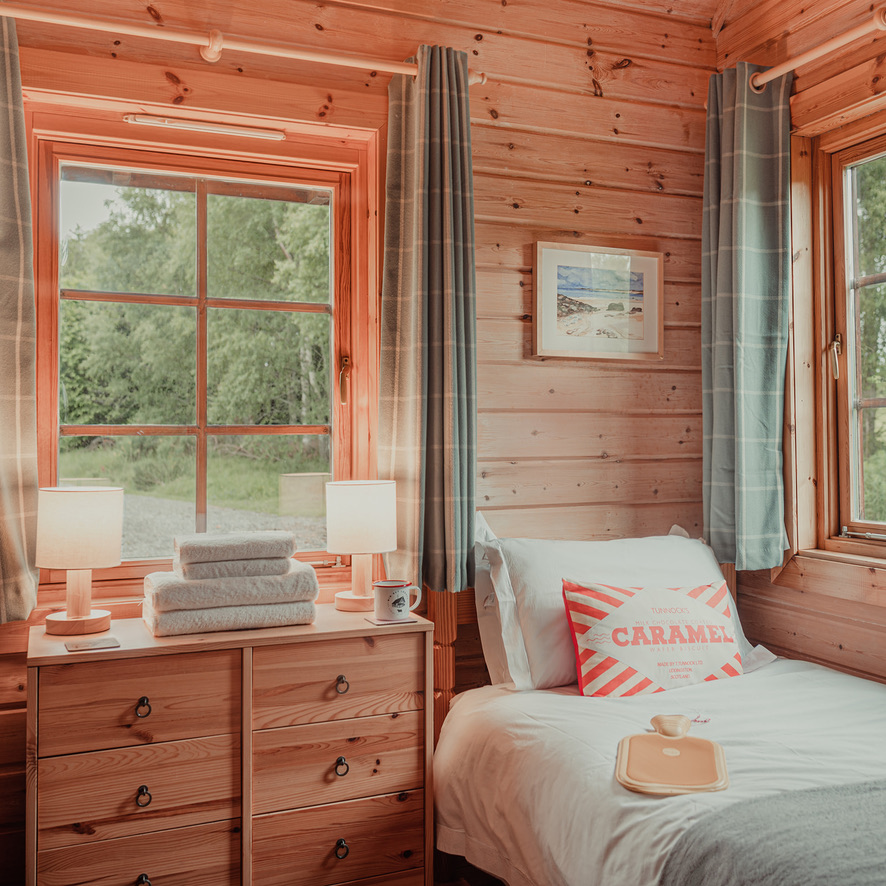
x=201, y=126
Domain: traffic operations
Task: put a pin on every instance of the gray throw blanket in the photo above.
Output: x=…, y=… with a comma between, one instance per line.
x=831, y=836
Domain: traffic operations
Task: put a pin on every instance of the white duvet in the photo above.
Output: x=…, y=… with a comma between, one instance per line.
x=525, y=786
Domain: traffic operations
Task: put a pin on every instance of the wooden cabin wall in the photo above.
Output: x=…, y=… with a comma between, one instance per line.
x=590, y=130
x=829, y=612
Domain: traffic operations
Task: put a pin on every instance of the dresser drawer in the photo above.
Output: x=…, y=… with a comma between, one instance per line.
x=338, y=679
x=380, y=835
x=206, y=855
x=95, y=705
x=341, y=760
x=89, y=797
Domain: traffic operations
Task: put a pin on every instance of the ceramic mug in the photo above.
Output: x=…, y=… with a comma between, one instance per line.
x=392, y=599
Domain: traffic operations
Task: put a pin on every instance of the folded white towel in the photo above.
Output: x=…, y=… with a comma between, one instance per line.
x=200, y=547
x=227, y=618
x=232, y=568
x=167, y=591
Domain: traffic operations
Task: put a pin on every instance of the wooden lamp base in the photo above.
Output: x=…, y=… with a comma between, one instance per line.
x=359, y=598
x=61, y=623
x=79, y=616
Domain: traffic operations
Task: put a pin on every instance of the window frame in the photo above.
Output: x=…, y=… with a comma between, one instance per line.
x=346, y=165
x=846, y=466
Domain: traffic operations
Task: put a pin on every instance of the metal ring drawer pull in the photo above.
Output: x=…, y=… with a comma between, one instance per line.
x=341, y=684
x=342, y=850
x=143, y=880
x=341, y=767
x=143, y=704
x=143, y=792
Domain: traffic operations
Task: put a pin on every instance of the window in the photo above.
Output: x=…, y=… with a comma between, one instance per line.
x=858, y=349
x=199, y=312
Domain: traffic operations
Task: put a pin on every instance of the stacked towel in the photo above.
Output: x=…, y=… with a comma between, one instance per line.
x=203, y=548
x=230, y=582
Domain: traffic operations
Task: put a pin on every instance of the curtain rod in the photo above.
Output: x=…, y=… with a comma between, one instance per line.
x=211, y=45
x=877, y=22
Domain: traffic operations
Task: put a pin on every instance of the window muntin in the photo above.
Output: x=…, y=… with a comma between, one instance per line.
x=197, y=330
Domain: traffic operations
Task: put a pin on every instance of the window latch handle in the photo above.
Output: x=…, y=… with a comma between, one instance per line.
x=344, y=374
x=836, y=349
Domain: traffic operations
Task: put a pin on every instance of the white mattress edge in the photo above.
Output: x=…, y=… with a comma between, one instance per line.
x=481, y=855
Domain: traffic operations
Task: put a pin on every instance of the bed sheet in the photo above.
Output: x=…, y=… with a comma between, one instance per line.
x=525, y=786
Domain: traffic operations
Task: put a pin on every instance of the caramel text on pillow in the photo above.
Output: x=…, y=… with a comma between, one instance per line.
x=633, y=641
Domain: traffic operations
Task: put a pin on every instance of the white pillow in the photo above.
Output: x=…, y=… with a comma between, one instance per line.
x=527, y=577
x=488, y=619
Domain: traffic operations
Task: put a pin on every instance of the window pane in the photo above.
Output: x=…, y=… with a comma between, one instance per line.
x=872, y=505
x=871, y=345
x=870, y=190
x=268, y=367
x=158, y=475
x=126, y=363
x=270, y=482
x=269, y=249
x=118, y=238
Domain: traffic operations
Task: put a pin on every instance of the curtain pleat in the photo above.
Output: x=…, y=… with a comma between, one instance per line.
x=427, y=403
x=18, y=434
x=746, y=264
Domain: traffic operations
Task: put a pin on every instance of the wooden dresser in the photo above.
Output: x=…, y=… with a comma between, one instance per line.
x=296, y=755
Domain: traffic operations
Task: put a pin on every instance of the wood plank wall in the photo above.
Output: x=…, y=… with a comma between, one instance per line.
x=590, y=130
x=800, y=615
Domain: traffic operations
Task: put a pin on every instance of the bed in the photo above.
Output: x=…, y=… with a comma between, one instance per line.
x=524, y=768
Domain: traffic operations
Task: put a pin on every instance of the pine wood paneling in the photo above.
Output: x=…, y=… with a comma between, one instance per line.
x=580, y=161
x=814, y=625
x=500, y=199
x=840, y=87
x=505, y=246
x=528, y=387
x=584, y=481
x=596, y=522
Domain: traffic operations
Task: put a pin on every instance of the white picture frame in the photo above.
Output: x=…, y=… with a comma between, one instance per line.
x=596, y=302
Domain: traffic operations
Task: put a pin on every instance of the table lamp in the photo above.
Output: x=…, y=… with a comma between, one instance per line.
x=361, y=520
x=79, y=528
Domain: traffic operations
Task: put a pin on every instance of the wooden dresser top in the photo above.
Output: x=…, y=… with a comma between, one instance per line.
x=137, y=641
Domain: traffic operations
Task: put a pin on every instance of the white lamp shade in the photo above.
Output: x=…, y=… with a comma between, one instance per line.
x=79, y=527
x=361, y=516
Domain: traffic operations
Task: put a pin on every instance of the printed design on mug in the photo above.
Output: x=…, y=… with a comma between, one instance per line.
x=398, y=600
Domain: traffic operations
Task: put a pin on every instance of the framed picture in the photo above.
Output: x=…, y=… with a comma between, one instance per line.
x=597, y=302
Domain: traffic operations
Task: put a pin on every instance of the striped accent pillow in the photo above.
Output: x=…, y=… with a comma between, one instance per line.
x=633, y=641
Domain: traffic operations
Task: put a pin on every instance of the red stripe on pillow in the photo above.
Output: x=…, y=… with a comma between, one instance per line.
x=610, y=687
x=578, y=605
x=715, y=599
x=580, y=591
x=695, y=593
x=601, y=668
x=641, y=686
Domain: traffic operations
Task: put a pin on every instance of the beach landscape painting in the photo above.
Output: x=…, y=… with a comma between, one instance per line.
x=597, y=302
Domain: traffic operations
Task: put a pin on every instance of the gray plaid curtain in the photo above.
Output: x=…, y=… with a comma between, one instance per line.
x=18, y=405
x=427, y=402
x=746, y=264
